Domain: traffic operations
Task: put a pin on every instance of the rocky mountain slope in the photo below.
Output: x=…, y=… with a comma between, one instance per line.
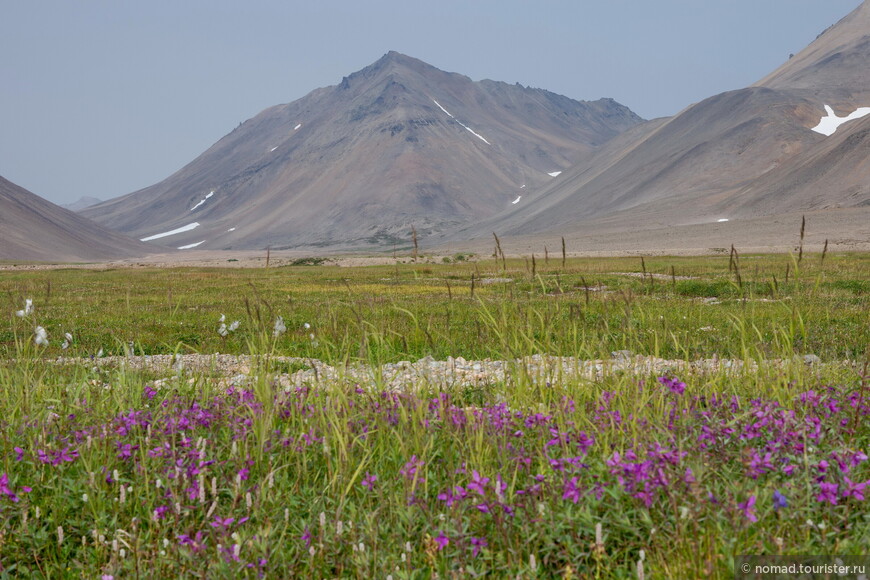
x=32, y=228
x=395, y=146
x=782, y=145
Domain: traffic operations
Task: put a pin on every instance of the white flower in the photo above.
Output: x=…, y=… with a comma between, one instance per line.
x=279, y=327
x=306, y=326
x=223, y=318
x=28, y=308
x=40, y=336
x=234, y=326
x=68, y=340
x=222, y=329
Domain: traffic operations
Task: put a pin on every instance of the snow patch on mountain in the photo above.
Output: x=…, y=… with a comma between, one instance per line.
x=829, y=124
x=203, y=200
x=186, y=228
x=467, y=128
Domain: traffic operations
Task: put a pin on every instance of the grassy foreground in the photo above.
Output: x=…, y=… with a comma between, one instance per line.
x=108, y=472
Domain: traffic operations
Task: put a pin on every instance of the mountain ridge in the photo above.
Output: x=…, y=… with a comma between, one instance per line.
x=32, y=228
x=396, y=145
x=737, y=155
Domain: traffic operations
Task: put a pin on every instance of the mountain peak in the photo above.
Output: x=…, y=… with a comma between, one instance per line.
x=396, y=60
x=834, y=61
x=395, y=65
x=397, y=144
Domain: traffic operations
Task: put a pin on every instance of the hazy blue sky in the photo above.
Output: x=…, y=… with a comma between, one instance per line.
x=105, y=97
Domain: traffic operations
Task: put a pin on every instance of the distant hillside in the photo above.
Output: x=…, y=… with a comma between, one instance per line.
x=397, y=145
x=782, y=145
x=82, y=203
x=34, y=229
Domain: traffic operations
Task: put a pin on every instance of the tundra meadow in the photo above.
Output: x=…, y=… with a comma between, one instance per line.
x=652, y=418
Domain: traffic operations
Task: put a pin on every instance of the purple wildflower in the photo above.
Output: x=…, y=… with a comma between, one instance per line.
x=570, y=490
x=675, y=386
x=779, y=500
x=409, y=471
x=196, y=543
x=442, y=540
x=450, y=497
x=855, y=490
x=306, y=537
x=19, y=453
x=7, y=491
x=369, y=480
x=223, y=524
x=827, y=493
x=478, y=483
x=748, y=509
x=478, y=544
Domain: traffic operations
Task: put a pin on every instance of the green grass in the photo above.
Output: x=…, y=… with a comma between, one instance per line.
x=409, y=311
x=132, y=476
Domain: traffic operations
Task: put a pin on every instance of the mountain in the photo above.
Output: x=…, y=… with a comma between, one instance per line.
x=737, y=155
x=32, y=228
x=396, y=145
x=82, y=203
x=834, y=66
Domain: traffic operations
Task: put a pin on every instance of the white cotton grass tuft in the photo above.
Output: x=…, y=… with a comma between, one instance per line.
x=67, y=340
x=224, y=330
x=40, y=336
x=28, y=309
x=279, y=327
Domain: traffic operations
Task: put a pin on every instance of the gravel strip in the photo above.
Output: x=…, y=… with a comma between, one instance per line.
x=291, y=372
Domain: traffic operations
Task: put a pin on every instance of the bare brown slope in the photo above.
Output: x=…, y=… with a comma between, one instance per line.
x=736, y=155
x=399, y=144
x=833, y=174
x=717, y=145
x=834, y=66
x=32, y=228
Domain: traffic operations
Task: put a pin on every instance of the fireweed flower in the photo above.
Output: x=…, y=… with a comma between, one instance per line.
x=478, y=544
x=675, y=386
x=369, y=481
x=570, y=490
x=7, y=491
x=409, y=471
x=827, y=493
x=748, y=509
x=223, y=524
x=478, y=483
x=855, y=490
